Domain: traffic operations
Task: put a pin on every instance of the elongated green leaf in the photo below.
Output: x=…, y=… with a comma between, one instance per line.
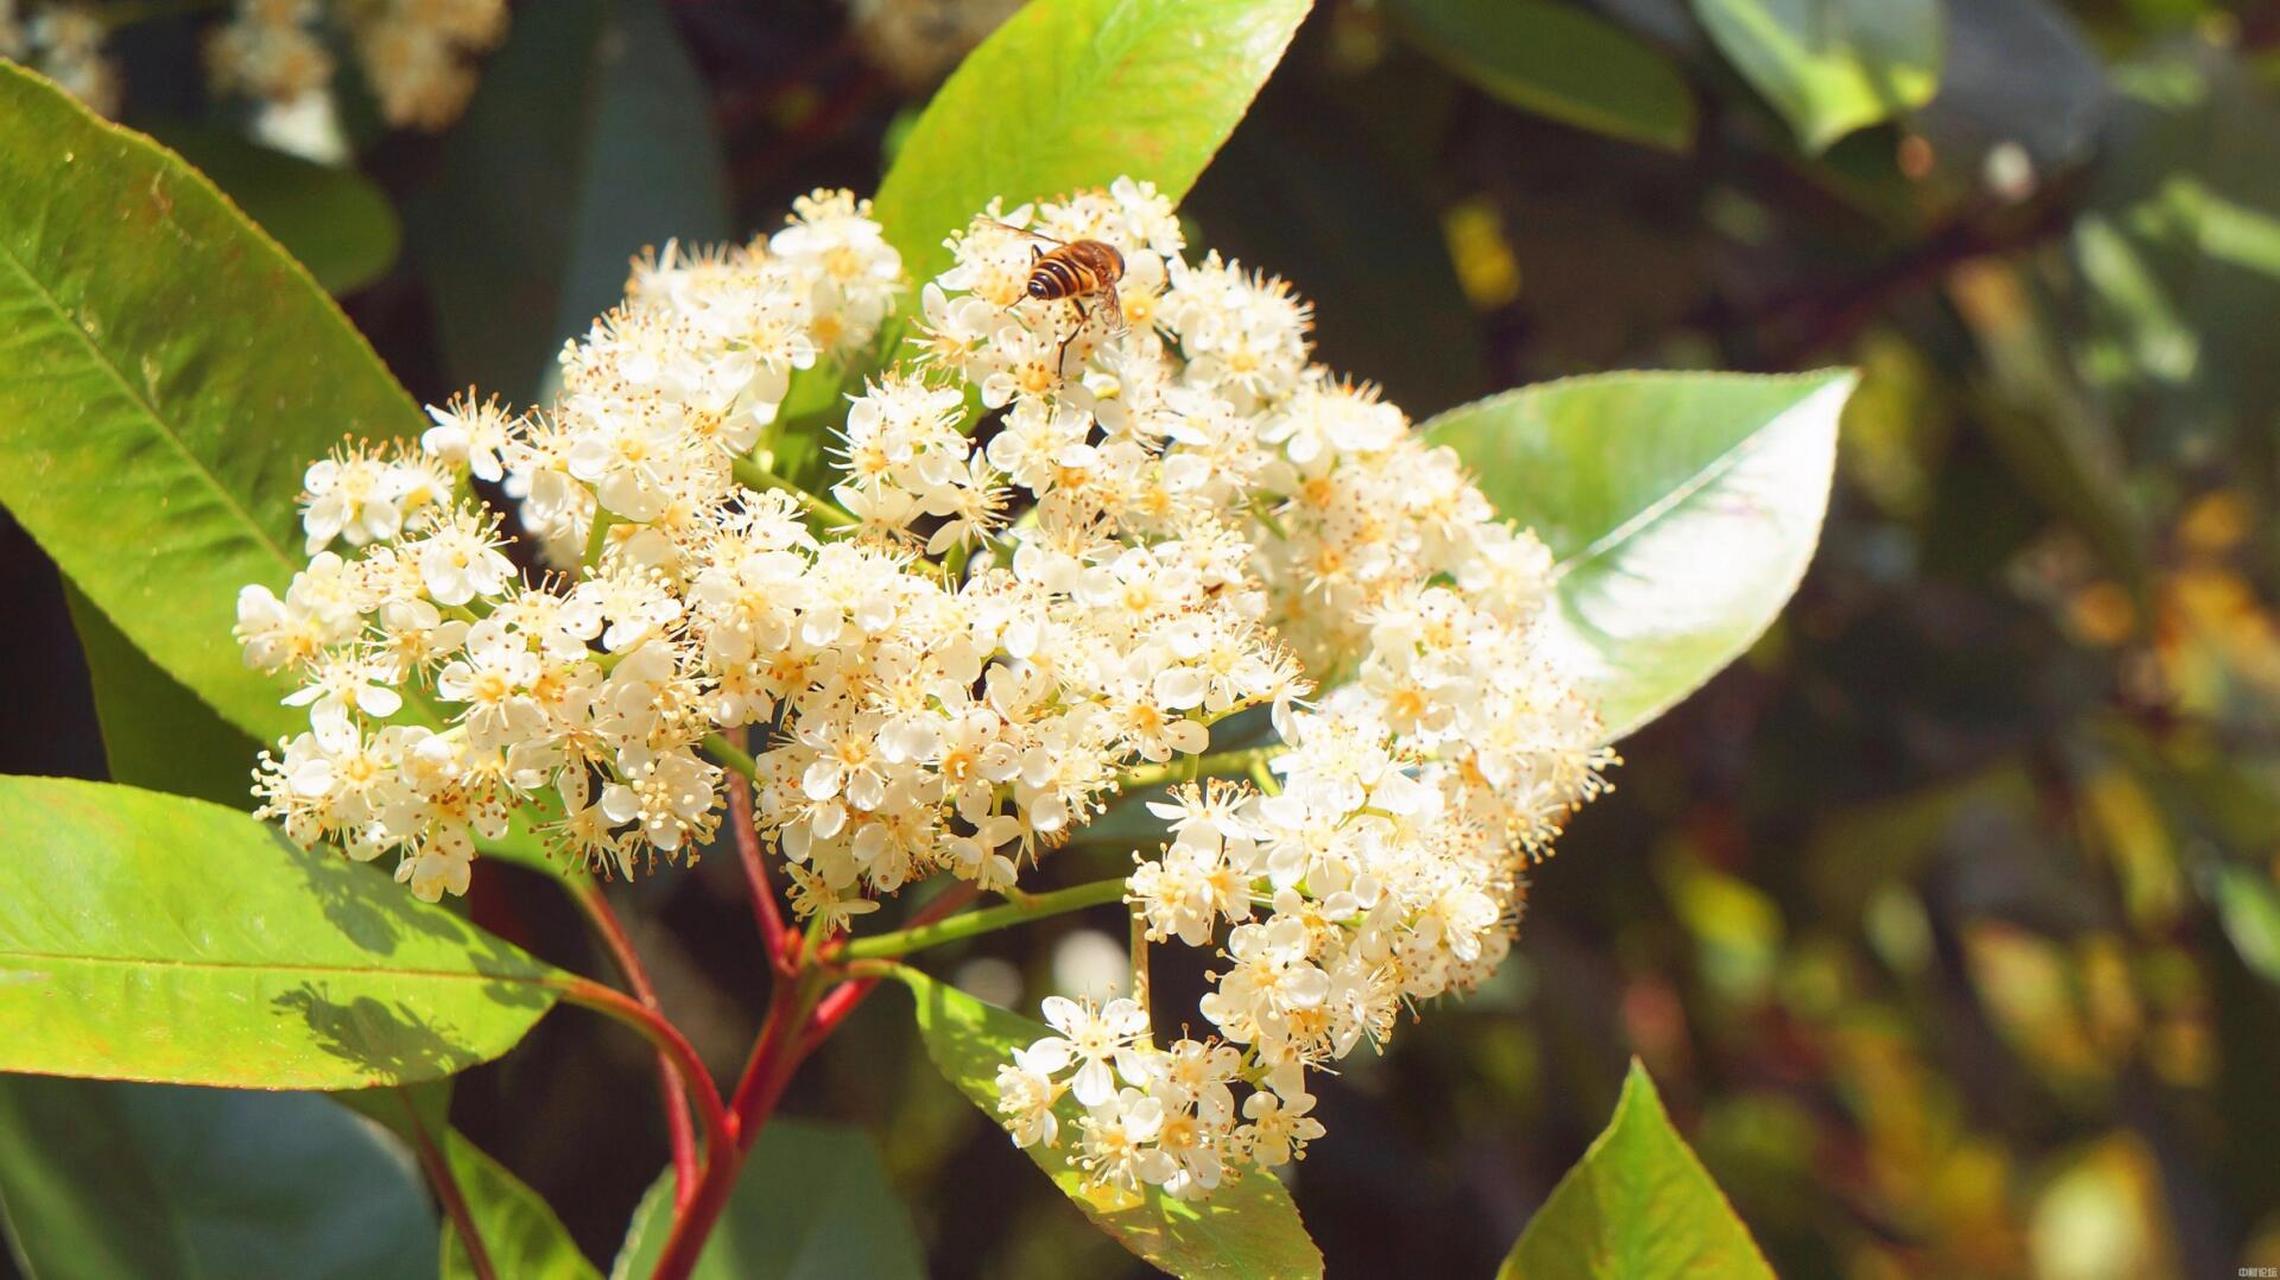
x=1075, y=93
x=2249, y=909
x=1681, y=507
x=811, y=1203
x=151, y=937
x=1557, y=61
x=157, y=734
x=1831, y=66
x=166, y=375
x=1248, y=1227
x=590, y=137
x=521, y=1234
x=100, y=1179
x=333, y=221
x=1638, y=1206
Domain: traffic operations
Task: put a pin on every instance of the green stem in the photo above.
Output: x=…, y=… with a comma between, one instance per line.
x=752, y=475
x=904, y=941
x=1189, y=768
x=597, y=537
x=729, y=754
x=1264, y=775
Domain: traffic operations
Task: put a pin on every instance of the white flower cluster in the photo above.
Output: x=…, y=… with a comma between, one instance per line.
x=918, y=42
x=1055, y=554
x=416, y=55
x=64, y=42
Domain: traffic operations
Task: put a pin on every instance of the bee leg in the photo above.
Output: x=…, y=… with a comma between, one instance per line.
x=1061, y=358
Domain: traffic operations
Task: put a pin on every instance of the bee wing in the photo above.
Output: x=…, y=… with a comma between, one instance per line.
x=1036, y=235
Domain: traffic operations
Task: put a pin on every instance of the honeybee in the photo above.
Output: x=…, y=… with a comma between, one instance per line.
x=1075, y=271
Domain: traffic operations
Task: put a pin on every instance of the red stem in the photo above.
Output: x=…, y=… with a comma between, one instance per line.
x=799, y=1017
x=775, y=1055
x=447, y=1192
x=589, y=897
x=764, y=908
x=719, y=1135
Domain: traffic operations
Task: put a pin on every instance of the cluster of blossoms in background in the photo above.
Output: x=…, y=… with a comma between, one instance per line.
x=1055, y=558
x=416, y=56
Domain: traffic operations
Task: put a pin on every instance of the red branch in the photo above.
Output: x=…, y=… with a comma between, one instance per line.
x=764, y=907
x=675, y=1097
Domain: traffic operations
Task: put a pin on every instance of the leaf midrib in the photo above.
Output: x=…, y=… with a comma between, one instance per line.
x=7, y=959
x=150, y=410
x=1676, y=497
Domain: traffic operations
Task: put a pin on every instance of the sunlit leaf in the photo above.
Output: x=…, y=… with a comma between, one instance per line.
x=100, y=1179
x=170, y=373
x=333, y=221
x=1557, y=61
x=1638, y=1206
x=1071, y=94
x=1831, y=66
x=1681, y=509
x=811, y=1203
x=152, y=937
x=1248, y=1227
x=2250, y=910
x=520, y=1232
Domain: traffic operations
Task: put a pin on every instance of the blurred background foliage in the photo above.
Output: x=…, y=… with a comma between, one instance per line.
x=1947, y=921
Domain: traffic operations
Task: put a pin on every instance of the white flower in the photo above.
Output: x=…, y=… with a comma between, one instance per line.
x=1279, y=1127
x=1027, y=1092
x=460, y=562
x=470, y=435
x=1096, y=1039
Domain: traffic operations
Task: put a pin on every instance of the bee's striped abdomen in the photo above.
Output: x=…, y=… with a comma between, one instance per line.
x=1075, y=271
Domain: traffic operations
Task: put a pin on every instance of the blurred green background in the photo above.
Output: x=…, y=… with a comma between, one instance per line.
x=1947, y=920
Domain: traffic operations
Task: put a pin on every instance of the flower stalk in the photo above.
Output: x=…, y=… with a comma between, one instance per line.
x=887, y=946
x=673, y=1094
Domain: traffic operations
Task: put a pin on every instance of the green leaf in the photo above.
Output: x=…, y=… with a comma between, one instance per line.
x=334, y=221
x=157, y=734
x=1831, y=66
x=591, y=136
x=1071, y=94
x=2249, y=909
x=1557, y=61
x=811, y=1203
x=1248, y=1227
x=170, y=374
x=2180, y=250
x=520, y=1231
x=1638, y=1206
x=1681, y=509
x=100, y=1179
x=151, y=937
